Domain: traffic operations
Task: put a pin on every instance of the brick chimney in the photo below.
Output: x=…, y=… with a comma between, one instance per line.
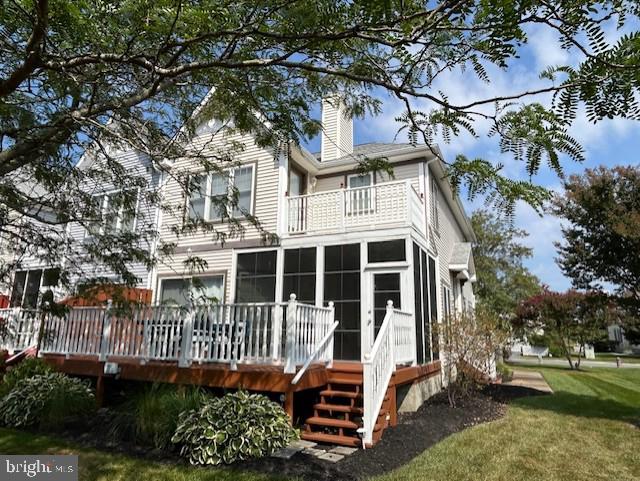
x=337, y=130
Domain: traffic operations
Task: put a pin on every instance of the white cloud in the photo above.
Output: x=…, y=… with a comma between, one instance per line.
x=544, y=45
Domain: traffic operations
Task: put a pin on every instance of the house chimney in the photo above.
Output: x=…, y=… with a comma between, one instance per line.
x=337, y=130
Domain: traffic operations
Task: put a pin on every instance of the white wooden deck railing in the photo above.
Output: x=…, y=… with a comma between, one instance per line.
x=340, y=210
x=404, y=331
x=19, y=328
x=394, y=344
x=290, y=334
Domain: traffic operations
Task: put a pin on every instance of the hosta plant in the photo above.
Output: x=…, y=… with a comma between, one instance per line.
x=233, y=427
x=32, y=366
x=46, y=400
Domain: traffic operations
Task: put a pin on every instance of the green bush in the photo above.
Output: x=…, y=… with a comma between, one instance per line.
x=29, y=367
x=505, y=372
x=46, y=400
x=233, y=427
x=151, y=416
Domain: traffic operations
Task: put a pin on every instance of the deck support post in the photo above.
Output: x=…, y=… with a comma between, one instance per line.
x=393, y=405
x=288, y=404
x=100, y=391
x=106, y=332
x=290, y=346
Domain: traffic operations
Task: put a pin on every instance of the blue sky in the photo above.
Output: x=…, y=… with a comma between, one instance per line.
x=609, y=143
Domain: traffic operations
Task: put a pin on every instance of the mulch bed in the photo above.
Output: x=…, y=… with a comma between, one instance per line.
x=415, y=432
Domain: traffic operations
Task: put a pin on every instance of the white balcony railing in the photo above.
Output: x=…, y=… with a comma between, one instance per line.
x=345, y=209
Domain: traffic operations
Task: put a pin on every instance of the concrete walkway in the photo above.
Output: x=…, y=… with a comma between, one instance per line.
x=529, y=379
x=532, y=361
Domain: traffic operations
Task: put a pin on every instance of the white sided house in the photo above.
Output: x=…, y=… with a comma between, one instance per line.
x=340, y=303
x=33, y=277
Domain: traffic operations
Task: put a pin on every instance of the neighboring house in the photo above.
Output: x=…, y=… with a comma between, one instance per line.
x=33, y=276
x=621, y=343
x=386, y=258
x=34, y=269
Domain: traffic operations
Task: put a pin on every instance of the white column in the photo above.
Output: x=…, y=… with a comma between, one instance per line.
x=290, y=342
x=366, y=305
x=319, y=276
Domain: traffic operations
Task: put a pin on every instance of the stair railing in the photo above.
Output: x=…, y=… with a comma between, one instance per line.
x=377, y=369
x=309, y=335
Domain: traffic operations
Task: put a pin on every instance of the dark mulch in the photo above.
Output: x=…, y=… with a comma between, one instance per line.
x=415, y=432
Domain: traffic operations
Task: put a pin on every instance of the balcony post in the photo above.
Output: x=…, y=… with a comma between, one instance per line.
x=343, y=208
x=407, y=184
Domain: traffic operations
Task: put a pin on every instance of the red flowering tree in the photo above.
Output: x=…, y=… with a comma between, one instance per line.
x=570, y=318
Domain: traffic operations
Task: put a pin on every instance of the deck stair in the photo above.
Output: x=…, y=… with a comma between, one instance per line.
x=338, y=414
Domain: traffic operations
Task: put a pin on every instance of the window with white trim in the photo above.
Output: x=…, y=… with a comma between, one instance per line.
x=222, y=194
x=200, y=289
x=115, y=214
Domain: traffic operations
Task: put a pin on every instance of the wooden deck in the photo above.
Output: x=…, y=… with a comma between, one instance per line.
x=258, y=378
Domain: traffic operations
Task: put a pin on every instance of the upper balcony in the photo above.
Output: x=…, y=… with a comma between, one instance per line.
x=389, y=204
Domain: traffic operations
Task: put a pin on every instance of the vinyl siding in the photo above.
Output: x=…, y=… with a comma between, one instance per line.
x=218, y=262
x=140, y=166
x=448, y=234
x=265, y=205
x=400, y=172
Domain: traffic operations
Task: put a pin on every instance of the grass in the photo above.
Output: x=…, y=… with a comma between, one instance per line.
x=582, y=432
x=101, y=466
x=611, y=357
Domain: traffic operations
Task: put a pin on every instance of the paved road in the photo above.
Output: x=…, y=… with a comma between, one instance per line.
x=546, y=361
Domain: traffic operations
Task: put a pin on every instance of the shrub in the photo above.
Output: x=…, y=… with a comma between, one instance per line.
x=505, y=372
x=46, y=400
x=29, y=367
x=151, y=416
x=233, y=427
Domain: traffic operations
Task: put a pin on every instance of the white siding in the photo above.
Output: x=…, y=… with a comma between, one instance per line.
x=448, y=234
x=218, y=262
x=205, y=245
x=137, y=165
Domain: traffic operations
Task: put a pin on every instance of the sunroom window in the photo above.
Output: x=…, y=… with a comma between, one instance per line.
x=200, y=290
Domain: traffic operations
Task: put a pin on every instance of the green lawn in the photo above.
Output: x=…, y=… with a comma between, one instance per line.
x=582, y=432
x=609, y=357
x=100, y=466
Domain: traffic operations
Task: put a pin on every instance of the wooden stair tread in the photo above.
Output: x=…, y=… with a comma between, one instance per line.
x=332, y=422
x=332, y=439
x=334, y=393
x=355, y=367
x=352, y=380
x=338, y=408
